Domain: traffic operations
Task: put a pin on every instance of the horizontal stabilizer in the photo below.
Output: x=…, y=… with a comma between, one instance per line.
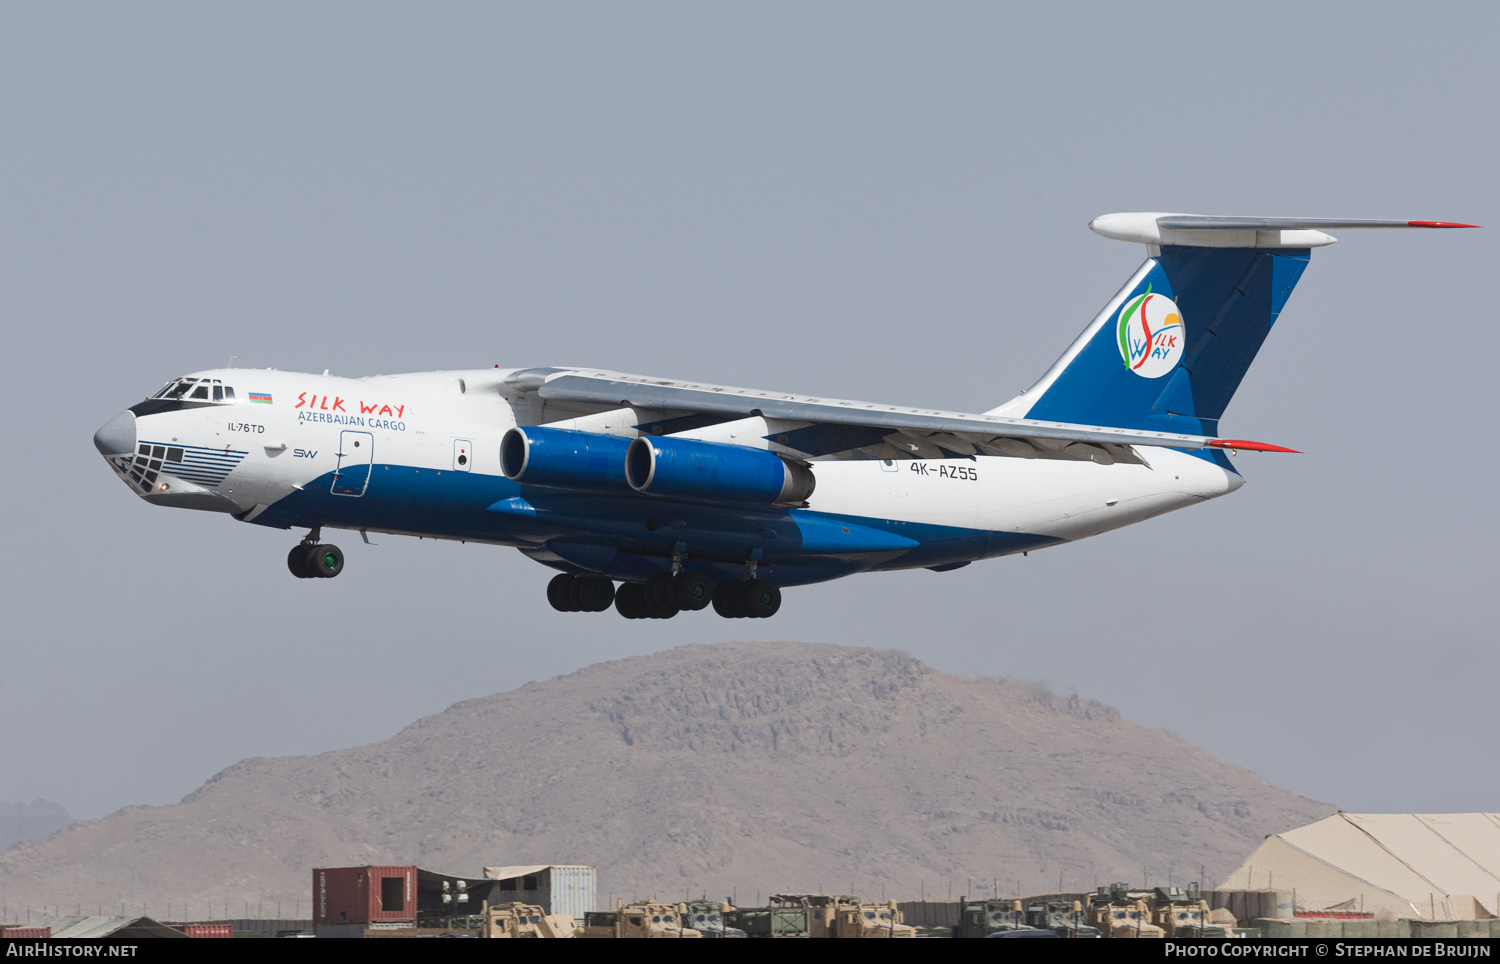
x=1213, y=222
x=1216, y=231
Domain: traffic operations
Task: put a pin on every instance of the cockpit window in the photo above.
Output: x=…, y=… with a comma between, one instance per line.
x=196, y=389
x=176, y=389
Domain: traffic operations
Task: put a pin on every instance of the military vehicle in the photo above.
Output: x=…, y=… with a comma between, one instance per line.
x=515, y=919
x=1182, y=912
x=845, y=916
x=1221, y=923
x=641, y=919
x=1066, y=917
x=709, y=918
x=1119, y=912
x=982, y=918
x=776, y=920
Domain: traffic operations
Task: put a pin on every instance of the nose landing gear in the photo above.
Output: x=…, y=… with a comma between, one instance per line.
x=309, y=560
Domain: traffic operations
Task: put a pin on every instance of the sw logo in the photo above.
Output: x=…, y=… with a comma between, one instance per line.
x=305, y=453
x=1151, y=335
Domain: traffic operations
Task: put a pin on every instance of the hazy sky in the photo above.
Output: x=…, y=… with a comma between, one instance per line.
x=873, y=201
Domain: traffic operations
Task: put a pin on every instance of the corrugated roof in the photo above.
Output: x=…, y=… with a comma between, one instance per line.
x=506, y=873
x=69, y=927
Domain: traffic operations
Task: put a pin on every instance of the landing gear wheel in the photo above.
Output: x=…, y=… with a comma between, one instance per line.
x=760, y=599
x=325, y=561
x=558, y=592
x=296, y=561
x=574, y=595
x=727, y=599
x=570, y=593
x=659, y=604
x=692, y=591
x=747, y=599
x=630, y=600
x=590, y=594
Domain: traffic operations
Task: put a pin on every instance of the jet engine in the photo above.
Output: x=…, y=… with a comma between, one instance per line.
x=564, y=458
x=713, y=471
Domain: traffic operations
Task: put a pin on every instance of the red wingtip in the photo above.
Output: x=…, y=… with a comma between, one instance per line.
x=1239, y=443
x=1439, y=224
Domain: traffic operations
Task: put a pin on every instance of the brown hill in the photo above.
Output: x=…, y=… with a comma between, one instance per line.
x=739, y=767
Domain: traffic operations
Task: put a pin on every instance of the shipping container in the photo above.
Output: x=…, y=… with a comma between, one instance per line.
x=574, y=890
x=559, y=888
x=364, y=895
x=206, y=930
x=25, y=933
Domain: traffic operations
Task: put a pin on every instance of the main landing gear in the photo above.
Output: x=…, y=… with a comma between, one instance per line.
x=580, y=594
x=747, y=599
x=664, y=595
x=309, y=560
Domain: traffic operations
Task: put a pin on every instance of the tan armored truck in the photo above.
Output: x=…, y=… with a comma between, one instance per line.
x=710, y=918
x=844, y=916
x=1117, y=912
x=982, y=918
x=1184, y=913
x=642, y=919
x=515, y=919
x=1063, y=917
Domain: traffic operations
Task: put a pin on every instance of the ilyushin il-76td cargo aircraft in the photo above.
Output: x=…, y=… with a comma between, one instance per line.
x=658, y=496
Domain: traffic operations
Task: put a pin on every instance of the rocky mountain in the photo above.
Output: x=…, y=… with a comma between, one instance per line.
x=30, y=821
x=731, y=769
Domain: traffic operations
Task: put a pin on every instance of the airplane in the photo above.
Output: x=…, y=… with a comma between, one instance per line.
x=657, y=496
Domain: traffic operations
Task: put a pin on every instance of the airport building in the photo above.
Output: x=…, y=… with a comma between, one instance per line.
x=349, y=901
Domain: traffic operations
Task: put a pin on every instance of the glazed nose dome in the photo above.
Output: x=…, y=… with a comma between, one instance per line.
x=117, y=436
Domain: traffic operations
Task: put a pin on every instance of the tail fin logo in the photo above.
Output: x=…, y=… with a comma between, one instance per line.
x=1151, y=334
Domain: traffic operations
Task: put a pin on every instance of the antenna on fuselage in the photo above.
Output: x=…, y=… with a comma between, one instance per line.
x=231, y=361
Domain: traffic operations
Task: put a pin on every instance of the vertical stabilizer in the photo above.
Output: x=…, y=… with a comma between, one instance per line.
x=1169, y=350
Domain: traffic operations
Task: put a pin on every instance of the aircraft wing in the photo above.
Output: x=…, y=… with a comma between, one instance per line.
x=836, y=425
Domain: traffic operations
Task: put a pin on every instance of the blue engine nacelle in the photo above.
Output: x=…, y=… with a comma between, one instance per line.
x=564, y=459
x=713, y=471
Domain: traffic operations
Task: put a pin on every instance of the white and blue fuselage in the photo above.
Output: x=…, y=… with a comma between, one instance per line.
x=420, y=455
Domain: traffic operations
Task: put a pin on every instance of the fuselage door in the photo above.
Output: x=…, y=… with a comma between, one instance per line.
x=463, y=454
x=356, y=454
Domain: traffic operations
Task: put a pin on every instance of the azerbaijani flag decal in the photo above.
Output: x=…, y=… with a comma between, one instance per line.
x=263, y=398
